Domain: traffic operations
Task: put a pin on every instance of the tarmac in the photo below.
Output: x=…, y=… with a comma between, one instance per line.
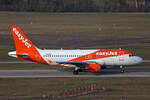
x=65, y=73
x=138, y=72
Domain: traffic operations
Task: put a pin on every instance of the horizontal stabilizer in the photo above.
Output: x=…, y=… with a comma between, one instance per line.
x=23, y=55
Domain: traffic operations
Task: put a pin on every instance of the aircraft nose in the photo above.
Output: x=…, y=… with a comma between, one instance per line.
x=139, y=59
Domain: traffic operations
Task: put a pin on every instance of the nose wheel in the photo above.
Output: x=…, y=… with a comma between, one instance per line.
x=122, y=69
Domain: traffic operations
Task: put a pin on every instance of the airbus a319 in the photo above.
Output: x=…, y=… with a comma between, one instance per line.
x=91, y=60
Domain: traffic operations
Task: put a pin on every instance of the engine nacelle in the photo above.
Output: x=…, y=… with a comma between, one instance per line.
x=94, y=68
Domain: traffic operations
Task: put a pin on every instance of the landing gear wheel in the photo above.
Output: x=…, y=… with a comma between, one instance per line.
x=75, y=72
x=122, y=69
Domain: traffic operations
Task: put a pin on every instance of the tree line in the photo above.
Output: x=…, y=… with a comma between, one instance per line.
x=76, y=5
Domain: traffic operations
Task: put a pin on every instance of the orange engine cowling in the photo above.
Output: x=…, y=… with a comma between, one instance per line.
x=94, y=68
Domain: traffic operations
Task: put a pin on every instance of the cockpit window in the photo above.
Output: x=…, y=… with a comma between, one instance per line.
x=131, y=55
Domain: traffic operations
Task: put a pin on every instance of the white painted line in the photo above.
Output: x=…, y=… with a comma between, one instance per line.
x=14, y=62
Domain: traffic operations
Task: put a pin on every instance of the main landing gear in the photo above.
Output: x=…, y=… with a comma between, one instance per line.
x=122, y=69
x=76, y=71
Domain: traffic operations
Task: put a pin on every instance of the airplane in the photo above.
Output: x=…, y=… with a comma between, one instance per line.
x=91, y=60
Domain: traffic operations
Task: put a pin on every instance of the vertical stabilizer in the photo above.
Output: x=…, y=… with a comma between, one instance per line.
x=24, y=47
x=22, y=43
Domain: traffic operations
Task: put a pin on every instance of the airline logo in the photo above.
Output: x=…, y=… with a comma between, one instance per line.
x=21, y=38
x=106, y=53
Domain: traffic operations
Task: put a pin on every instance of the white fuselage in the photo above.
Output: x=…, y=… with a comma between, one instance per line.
x=67, y=55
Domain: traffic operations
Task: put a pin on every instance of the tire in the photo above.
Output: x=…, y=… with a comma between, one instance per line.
x=75, y=72
x=122, y=71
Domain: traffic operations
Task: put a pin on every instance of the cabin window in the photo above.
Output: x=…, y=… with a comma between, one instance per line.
x=131, y=55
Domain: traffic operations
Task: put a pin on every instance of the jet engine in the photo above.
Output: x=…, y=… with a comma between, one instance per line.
x=94, y=68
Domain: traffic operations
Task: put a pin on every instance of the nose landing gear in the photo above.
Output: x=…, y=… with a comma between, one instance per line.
x=122, y=69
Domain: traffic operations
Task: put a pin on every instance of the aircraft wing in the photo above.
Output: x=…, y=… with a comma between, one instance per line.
x=75, y=62
x=88, y=66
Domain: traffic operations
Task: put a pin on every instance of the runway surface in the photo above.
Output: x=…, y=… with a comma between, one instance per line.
x=64, y=73
x=15, y=62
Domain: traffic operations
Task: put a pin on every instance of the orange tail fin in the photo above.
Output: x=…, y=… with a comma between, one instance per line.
x=24, y=47
x=22, y=43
